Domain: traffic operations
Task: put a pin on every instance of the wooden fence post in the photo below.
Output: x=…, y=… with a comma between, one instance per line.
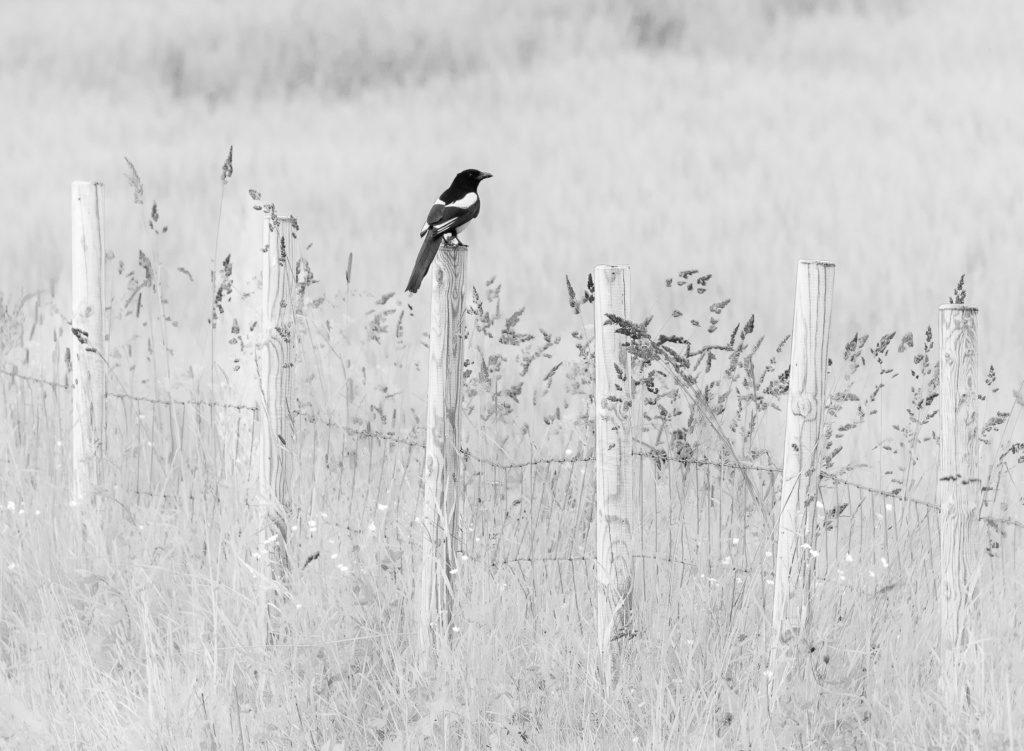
x=959, y=492
x=88, y=344
x=794, y=562
x=615, y=510
x=443, y=482
x=276, y=423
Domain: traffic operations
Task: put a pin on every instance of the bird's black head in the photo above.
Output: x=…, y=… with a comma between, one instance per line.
x=470, y=178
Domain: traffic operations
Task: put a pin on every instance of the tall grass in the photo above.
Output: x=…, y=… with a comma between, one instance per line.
x=131, y=623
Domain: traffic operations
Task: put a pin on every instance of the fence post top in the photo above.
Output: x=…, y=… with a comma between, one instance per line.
x=445, y=245
x=959, y=306
x=610, y=267
x=825, y=264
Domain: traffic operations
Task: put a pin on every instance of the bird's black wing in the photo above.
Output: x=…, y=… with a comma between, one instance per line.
x=446, y=215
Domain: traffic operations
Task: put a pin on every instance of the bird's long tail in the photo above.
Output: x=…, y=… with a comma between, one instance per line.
x=426, y=256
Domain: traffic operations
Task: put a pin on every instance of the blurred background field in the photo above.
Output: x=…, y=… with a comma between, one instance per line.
x=733, y=137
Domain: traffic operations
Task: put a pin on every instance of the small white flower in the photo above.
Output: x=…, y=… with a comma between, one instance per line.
x=849, y=558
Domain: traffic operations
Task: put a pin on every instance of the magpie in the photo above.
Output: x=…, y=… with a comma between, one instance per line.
x=453, y=210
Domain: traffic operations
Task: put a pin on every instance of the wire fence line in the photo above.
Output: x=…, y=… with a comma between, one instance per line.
x=695, y=521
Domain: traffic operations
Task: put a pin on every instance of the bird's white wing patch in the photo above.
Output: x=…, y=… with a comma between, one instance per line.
x=466, y=201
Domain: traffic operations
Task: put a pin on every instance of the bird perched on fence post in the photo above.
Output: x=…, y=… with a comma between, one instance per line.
x=459, y=204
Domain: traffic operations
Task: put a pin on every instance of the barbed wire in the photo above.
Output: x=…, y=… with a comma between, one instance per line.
x=32, y=379
x=412, y=442
x=181, y=402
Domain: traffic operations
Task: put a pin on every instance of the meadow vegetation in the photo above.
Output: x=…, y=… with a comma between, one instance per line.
x=729, y=137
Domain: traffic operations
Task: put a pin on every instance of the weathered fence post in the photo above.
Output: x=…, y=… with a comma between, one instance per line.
x=443, y=487
x=959, y=491
x=615, y=510
x=794, y=562
x=276, y=383
x=88, y=343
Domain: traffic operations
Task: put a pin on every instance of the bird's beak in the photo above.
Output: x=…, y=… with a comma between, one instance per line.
x=485, y=175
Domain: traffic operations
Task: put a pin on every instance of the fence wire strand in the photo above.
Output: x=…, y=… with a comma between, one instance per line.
x=695, y=519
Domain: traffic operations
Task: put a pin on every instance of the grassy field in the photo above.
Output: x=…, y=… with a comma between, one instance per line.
x=885, y=142
x=731, y=137
x=134, y=622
